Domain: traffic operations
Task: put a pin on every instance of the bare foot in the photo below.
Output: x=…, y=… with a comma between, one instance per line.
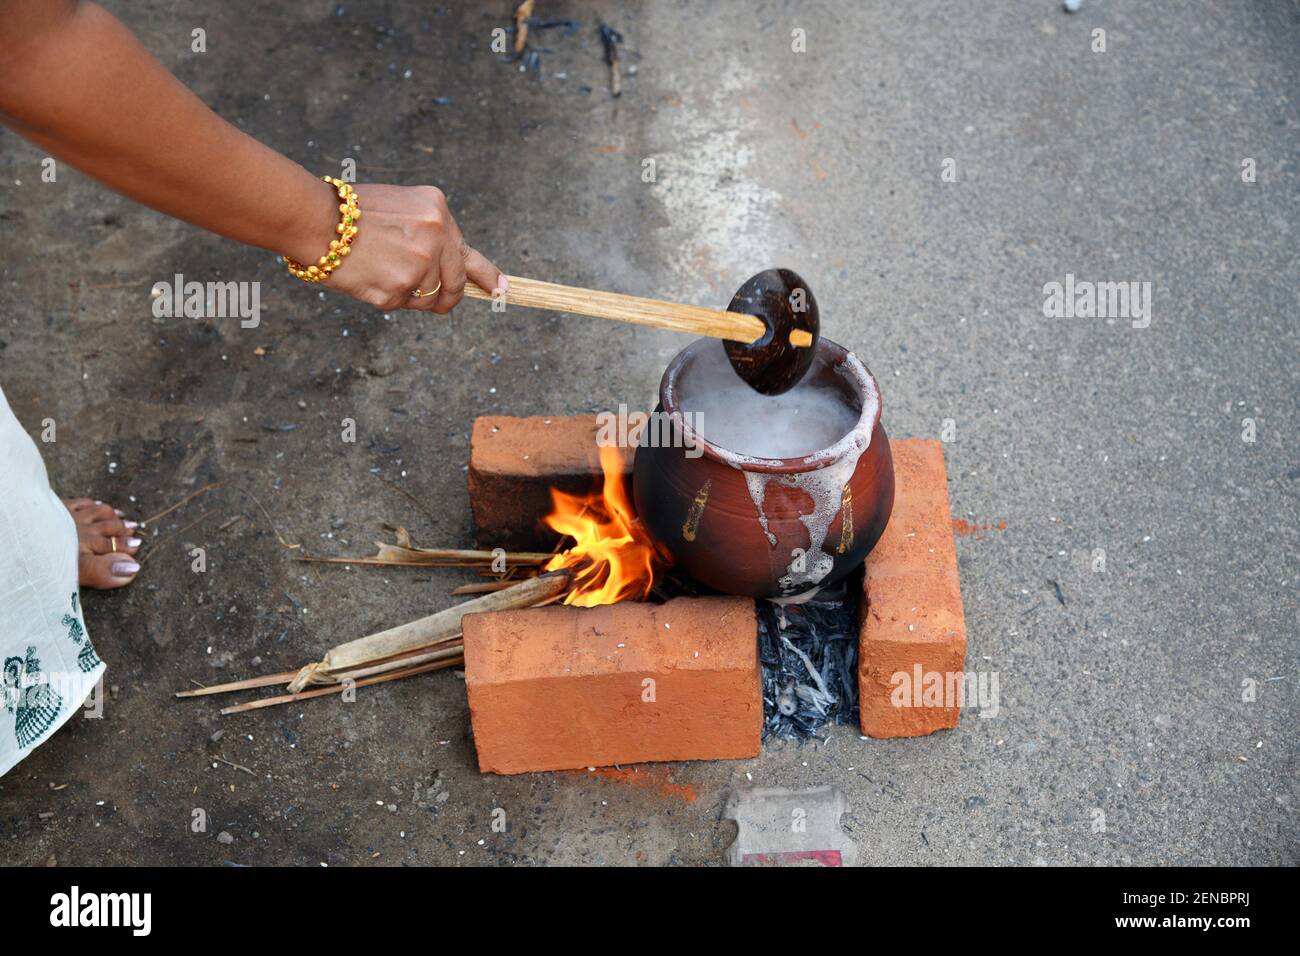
x=106, y=544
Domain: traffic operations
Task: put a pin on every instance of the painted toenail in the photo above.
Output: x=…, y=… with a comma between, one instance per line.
x=131, y=524
x=119, y=512
x=133, y=542
x=124, y=569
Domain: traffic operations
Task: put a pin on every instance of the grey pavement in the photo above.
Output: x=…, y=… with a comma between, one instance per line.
x=1122, y=735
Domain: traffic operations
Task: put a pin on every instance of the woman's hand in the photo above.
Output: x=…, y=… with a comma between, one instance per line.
x=75, y=82
x=407, y=240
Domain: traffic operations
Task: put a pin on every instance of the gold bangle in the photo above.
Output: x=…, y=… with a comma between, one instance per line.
x=349, y=213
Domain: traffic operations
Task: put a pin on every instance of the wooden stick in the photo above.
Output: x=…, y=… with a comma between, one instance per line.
x=487, y=557
x=339, y=688
x=615, y=79
x=380, y=562
x=438, y=557
x=715, y=323
x=421, y=655
x=611, y=38
x=438, y=652
x=442, y=644
x=428, y=630
x=487, y=587
x=266, y=680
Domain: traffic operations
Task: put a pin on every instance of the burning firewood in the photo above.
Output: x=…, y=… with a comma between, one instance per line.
x=612, y=559
x=613, y=556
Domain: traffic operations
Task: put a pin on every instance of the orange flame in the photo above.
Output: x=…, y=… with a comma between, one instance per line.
x=613, y=556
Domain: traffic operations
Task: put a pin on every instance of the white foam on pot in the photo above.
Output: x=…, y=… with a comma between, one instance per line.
x=725, y=410
x=828, y=469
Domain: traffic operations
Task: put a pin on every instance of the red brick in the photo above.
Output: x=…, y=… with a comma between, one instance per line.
x=912, y=613
x=513, y=464
x=560, y=688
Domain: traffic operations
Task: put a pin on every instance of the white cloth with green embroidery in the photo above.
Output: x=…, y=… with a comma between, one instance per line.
x=50, y=666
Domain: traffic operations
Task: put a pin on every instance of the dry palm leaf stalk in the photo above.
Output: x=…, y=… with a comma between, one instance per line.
x=381, y=648
x=425, y=654
x=584, y=574
x=406, y=553
x=487, y=587
x=426, y=644
x=337, y=688
x=266, y=680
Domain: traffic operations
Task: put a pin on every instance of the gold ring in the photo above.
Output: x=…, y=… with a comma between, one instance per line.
x=420, y=295
x=114, y=541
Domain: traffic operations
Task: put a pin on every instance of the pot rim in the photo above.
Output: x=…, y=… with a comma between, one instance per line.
x=838, y=359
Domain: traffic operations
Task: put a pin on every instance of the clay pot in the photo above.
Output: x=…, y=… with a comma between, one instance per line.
x=767, y=527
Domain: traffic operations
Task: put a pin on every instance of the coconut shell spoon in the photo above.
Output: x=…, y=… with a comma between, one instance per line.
x=769, y=336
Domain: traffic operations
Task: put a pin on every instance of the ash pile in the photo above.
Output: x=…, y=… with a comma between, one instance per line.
x=809, y=654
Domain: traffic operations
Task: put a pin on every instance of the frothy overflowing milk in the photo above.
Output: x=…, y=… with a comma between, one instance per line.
x=733, y=416
x=821, y=425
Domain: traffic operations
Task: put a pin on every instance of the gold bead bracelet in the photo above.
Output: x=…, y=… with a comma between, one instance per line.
x=349, y=213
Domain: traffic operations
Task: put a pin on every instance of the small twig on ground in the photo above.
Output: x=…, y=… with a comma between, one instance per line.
x=153, y=545
x=410, y=497
x=232, y=521
x=611, y=38
x=166, y=511
x=279, y=537
x=237, y=766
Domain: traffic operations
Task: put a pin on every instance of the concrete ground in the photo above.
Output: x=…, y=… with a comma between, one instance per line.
x=1121, y=690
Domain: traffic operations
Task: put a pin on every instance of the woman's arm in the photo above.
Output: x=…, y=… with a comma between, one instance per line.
x=75, y=81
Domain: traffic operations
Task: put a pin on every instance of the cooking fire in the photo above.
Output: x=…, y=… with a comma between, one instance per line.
x=612, y=557
x=775, y=483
